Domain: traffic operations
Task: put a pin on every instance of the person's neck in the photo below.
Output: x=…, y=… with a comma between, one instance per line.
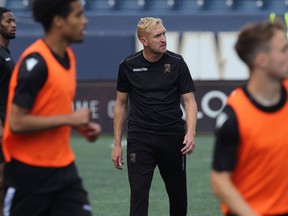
x=265, y=90
x=151, y=57
x=56, y=44
x=4, y=42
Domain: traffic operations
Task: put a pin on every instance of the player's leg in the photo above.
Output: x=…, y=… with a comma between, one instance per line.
x=172, y=167
x=17, y=203
x=72, y=200
x=141, y=164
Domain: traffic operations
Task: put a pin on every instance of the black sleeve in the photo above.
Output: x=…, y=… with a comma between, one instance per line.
x=2, y=72
x=32, y=76
x=226, y=141
x=122, y=82
x=186, y=83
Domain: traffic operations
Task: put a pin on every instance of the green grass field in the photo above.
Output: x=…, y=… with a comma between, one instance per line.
x=109, y=191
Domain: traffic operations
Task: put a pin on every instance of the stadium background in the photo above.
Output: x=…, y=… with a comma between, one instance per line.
x=203, y=31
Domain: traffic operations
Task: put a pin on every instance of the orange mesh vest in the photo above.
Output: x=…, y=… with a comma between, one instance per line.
x=49, y=148
x=261, y=171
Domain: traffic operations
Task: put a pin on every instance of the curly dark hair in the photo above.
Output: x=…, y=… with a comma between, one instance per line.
x=3, y=10
x=44, y=10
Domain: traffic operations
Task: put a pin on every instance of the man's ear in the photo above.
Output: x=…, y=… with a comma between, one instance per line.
x=58, y=21
x=144, y=41
x=261, y=60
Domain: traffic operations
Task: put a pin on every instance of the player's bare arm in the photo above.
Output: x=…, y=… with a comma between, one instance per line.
x=191, y=119
x=225, y=190
x=21, y=121
x=120, y=111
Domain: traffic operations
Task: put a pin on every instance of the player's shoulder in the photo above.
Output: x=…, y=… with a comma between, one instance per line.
x=132, y=57
x=236, y=96
x=35, y=55
x=173, y=55
x=33, y=61
x=4, y=53
x=226, y=118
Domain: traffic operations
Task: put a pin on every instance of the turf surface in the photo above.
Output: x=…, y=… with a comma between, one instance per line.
x=109, y=190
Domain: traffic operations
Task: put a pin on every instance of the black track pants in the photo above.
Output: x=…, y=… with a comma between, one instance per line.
x=144, y=152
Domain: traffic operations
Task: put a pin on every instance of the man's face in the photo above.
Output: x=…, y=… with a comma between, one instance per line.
x=156, y=40
x=75, y=23
x=278, y=56
x=8, y=25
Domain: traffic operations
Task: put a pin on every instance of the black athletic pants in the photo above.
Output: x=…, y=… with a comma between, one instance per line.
x=144, y=152
x=70, y=200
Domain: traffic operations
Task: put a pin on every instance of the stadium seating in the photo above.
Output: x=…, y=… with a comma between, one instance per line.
x=117, y=7
x=186, y=6
x=2, y=3
x=18, y=5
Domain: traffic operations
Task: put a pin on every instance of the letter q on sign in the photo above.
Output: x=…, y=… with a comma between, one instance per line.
x=205, y=102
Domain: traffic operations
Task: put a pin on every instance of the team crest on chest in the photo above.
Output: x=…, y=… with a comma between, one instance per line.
x=167, y=68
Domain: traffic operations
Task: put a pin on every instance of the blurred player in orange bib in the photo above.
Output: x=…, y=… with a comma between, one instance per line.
x=250, y=156
x=40, y=172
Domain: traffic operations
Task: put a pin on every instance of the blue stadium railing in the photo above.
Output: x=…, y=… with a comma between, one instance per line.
x=110, y=34
x=116, y=7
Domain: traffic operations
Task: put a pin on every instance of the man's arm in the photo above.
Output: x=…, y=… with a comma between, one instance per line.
x=225, y=190
x=120, y=113
x=191, y=119
x=21, y=121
